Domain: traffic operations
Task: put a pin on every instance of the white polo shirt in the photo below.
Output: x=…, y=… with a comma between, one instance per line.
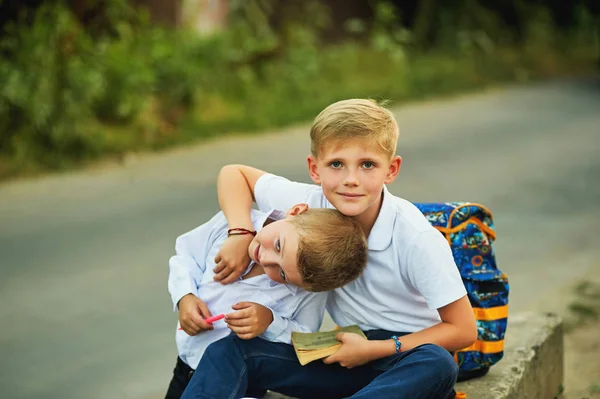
x=191, y=272
x=410, y=271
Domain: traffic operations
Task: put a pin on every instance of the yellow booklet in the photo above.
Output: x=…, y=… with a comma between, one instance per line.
x=317, y=345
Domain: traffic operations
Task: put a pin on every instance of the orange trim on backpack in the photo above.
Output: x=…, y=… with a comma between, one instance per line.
x=449, y=229
x=460, y=395
x=469, y=204
x=485, y=347
x=495, y=313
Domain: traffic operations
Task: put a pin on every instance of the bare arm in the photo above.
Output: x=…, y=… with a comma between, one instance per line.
x=456, y=331
x=235, y=189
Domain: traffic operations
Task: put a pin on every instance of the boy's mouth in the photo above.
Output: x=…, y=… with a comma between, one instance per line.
x=256, y=253
x=350, y=195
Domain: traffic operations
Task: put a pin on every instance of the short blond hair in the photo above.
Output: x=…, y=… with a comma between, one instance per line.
x=355, y=119
x=332, y=249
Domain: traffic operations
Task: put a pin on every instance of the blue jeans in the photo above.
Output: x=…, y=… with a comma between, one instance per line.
x=231, y=367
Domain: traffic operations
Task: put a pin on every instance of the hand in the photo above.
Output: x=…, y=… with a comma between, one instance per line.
x=250, y=319
x=232, y=259
x=192, y=312
x=354, y=351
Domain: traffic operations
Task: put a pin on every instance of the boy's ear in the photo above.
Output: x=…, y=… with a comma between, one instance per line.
x=393, y=169
x=297, y=209
x=312, y=169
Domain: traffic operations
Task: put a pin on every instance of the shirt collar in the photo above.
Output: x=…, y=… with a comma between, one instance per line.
x=262, y=219
x=293, y=289
x=380, y=236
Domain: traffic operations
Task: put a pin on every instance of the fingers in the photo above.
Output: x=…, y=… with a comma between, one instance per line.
x=241, y=329
x=203, y=314
x=228, y=274
x=222, y=274
x=233, y=276
x=203, y=309
x=239, y=318
x=220, y=266
x=189, y=331
x=194, y=324
x=336, y=359
x=242, y=305
x=190, y=327
x=329, y=359
x=218, y=257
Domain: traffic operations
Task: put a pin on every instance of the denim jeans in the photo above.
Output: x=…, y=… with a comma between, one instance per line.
x=231, y=367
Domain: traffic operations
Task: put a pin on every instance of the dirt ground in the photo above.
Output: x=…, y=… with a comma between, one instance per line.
x=582, y=339
x=582, y=362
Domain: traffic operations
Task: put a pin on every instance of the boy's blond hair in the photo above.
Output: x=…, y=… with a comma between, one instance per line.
x=351, y=119
x=332, y=249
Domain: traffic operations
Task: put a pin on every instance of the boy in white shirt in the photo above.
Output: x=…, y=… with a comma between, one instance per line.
x=268, y=301
x=410, y=300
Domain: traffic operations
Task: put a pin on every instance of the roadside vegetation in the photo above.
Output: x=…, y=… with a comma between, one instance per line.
x=73, y=92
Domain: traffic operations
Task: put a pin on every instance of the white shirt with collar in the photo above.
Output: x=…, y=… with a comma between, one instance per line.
x=410, y=271
x=191, y=272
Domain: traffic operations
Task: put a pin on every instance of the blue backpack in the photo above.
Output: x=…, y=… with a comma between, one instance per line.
x=469, y=229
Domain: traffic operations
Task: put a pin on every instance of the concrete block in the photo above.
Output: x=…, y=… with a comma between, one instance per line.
x=532, y=366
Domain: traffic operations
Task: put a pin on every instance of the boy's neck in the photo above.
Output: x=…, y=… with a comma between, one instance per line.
x=255, y=271
x=367, y=219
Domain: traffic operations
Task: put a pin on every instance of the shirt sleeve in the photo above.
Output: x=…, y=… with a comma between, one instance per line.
x=432, y=271
x=276, y=192
x=307, y=317
x=187, y=266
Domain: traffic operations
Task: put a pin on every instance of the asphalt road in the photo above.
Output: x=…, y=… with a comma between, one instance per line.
x=84, y=308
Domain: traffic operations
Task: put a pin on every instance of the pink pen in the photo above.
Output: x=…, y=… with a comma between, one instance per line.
x=211, y=320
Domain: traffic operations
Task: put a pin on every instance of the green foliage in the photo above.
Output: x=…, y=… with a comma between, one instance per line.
x=48, y=85
x=72, y=93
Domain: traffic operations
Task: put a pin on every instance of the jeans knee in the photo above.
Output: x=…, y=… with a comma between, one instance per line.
x=221, y=347
x=442, y=361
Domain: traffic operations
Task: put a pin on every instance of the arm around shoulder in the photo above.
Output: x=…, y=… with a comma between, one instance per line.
x=235, y=189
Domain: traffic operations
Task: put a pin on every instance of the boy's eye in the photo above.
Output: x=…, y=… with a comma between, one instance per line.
x=282, y=274
x=368, y=165
x=278, y=245
x=335, y=164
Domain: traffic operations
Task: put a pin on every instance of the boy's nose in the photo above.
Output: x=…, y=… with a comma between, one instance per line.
x=351, y=179
x=266, y=259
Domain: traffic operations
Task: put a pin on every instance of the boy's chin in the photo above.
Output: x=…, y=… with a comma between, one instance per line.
x=252, y=247
x=350, y=209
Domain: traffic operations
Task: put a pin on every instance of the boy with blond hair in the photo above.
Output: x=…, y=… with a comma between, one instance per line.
x=309, y=249
x=410, y=300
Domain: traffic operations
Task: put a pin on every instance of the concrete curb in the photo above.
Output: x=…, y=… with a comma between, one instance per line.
x=533, y=361
x=532, y=367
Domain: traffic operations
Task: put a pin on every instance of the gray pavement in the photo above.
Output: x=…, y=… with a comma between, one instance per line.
x=84, y=310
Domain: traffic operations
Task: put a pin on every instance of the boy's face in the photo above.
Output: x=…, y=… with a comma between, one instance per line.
x=275, y=248
x=352, y=176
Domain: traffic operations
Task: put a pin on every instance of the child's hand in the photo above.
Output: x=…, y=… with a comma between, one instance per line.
x=192, y=312
x=232, y=259
x=354, y=351
x=250, y=319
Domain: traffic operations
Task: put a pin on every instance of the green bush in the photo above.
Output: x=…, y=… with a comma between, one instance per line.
x=49, y=84
x=71, y=93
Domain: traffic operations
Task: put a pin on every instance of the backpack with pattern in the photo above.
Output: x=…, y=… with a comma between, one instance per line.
x=469, y=229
